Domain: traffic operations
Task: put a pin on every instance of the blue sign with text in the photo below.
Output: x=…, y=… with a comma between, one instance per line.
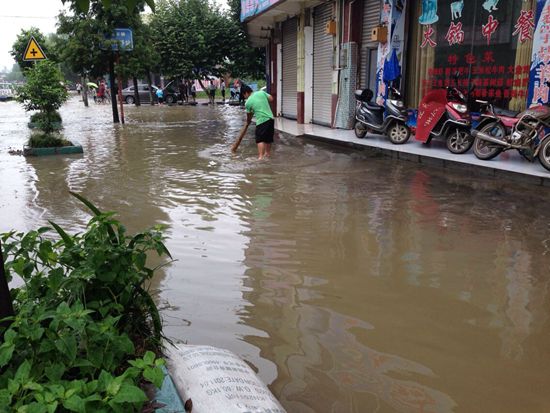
x=123, y=40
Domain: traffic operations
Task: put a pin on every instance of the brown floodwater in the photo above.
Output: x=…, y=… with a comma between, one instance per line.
x=351, y=283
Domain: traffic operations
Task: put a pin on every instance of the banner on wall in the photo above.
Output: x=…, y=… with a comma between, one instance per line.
x=540, y=59
x=390, y=54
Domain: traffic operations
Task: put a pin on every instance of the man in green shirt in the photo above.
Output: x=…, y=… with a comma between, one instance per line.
x=257, y=104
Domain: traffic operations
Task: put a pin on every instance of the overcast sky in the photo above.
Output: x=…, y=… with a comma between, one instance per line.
x=23, y=14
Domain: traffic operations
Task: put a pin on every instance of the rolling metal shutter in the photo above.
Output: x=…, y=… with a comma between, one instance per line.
x=290, y=69
x=371, y=19
x=322, y=66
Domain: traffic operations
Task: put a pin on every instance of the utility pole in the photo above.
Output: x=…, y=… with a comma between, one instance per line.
x=119, y=94
x=112, y=86
x=6, y=305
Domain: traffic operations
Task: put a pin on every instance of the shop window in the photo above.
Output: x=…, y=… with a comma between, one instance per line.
x=487, y=42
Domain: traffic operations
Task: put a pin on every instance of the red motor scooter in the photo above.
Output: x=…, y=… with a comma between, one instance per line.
x=443, y=113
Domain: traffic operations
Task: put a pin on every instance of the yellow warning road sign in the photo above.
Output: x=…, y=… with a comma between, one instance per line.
x=34, y=51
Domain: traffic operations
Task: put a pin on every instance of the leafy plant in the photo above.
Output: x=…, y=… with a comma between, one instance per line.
x=86, y=332
x=43, y=91
x=47, y=140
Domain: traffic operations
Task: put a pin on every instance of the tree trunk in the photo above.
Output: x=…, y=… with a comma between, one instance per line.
x=112, y=86
x=84, y=83
x=6, y=306
x=136, y=93
x=150, y=83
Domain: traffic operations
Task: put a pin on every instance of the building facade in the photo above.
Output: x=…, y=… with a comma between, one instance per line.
x=319, y=52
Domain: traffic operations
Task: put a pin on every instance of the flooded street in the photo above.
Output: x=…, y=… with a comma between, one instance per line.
x=351, y=283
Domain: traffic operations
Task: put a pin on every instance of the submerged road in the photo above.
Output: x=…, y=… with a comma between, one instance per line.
x=350, y=282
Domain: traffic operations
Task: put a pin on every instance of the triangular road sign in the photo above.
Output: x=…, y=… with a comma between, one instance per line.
x=34, y=51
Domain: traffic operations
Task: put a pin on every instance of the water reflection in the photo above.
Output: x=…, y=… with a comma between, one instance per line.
x=351, y=283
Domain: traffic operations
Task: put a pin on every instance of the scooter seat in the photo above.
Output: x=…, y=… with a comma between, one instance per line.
x=506, y=112
x=373, y=106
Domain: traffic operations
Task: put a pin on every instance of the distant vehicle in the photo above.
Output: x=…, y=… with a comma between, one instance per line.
x=7, y=91
x=144, y=96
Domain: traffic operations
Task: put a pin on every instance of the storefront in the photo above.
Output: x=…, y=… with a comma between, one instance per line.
x=289, y=68
x=488, y=43
x=369, y=48
x=323, y=64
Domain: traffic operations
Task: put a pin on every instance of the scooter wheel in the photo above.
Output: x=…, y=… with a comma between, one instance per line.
x=459, y=142
x=485, y=150
x=399, y=133
x=360, y=130
x=544, y=153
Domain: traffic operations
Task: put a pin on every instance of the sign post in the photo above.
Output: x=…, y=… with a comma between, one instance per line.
x=122, y=40
x=120, y=90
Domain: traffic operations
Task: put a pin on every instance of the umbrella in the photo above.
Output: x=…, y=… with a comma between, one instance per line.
x=92, y=85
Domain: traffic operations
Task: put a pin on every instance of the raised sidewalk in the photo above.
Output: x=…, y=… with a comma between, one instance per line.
x=509, y=165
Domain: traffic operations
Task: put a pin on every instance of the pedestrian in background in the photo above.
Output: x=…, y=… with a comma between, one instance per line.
x=183, y=91
x=242, y=90
x=194, y=92
x=78, y=88
x=212, y=90
x=160, y=96
x=222, y=89
x=100, y=95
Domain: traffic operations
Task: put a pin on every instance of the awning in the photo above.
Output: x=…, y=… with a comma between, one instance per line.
x=259, y=26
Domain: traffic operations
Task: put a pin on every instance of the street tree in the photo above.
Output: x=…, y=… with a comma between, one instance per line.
x=84, y=5
x=43, y=92
x=194, y=38
x=245, y=60
x=140, y=62
x=88, y=49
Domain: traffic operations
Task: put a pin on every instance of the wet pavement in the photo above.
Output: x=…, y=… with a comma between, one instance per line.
x=350, y=282
x=509, y=165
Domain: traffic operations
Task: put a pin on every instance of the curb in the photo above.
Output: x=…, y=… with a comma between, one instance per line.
x=400, y=152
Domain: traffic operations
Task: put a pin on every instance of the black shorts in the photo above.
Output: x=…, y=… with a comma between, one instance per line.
x=265, y=132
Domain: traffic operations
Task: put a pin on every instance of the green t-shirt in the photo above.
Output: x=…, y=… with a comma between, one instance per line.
x=258, y=104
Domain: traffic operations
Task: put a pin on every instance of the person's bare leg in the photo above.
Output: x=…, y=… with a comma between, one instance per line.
x=261, y=150
x=267, y=150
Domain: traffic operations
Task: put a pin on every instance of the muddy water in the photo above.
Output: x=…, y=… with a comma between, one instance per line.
x=351, y=283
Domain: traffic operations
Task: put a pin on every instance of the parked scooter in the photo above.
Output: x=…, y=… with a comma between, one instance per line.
x=443, y=113
x=390, y=120
x=500, y=130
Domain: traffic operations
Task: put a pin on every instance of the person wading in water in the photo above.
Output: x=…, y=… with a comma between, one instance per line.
x=257, y=104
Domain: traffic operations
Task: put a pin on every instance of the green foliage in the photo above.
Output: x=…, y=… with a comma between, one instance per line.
x=82, y=6
x=43, y=91
x=196, y=39
x=85, y=327
x=47, y=140
x=46, y=117
x=20, y=45
x=245, y=61
x=85, y=48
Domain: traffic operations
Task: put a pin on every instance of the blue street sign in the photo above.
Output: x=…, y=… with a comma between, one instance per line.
x=123, y=40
